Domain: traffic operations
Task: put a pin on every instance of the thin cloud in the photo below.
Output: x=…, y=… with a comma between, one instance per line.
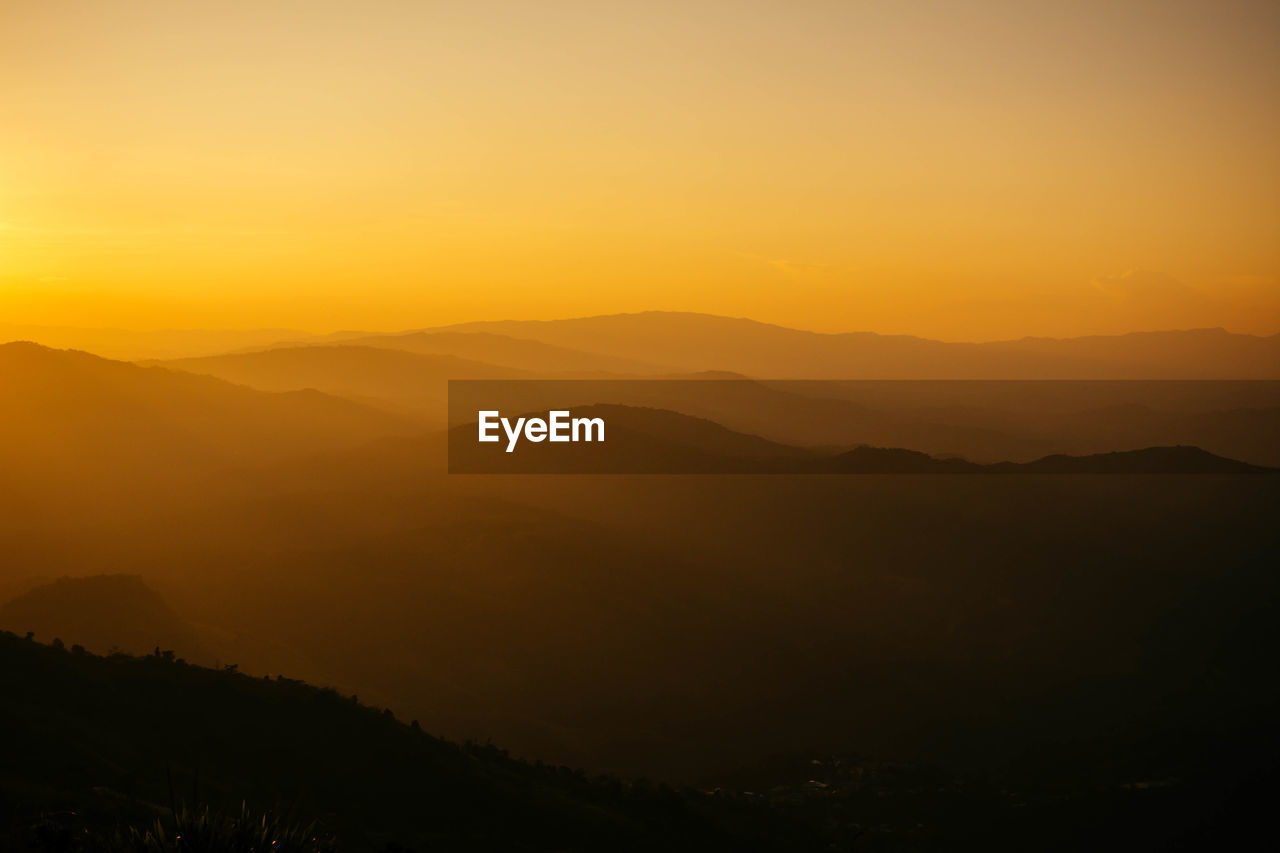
x=1145, y=285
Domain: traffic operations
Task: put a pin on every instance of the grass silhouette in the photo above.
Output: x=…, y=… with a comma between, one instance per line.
x=202, y=830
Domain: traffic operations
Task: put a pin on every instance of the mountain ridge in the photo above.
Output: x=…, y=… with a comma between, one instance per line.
x=692, y=341
x=853, y=332
x=1070, y=358
x=115, y=425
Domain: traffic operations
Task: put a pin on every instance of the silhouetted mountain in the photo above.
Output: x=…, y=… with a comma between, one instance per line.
x=703, y=341
x=1149, y=460
x=132, y=345
x=677, y=626
x=98, y=741
x=417, y=383
x=888, y=460
x=1184, y=354
x=102, y=613
x=681, y=625
x=108, y=426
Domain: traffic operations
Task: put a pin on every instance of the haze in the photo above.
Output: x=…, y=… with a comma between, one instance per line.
x=971, y=173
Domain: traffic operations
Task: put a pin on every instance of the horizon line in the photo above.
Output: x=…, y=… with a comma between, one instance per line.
x=392, y=331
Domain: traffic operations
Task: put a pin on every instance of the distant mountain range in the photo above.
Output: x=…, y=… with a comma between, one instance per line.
x=392, y=379
x=111, y=426
x=1148, y=460
x=130, y=344
x=512, y=352
x=406, y=373
x=713, y=619
x=707, y=342
x=656, y=342
x=74, y=414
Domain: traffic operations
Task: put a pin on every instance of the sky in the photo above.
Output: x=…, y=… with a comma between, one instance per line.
x=962, y=171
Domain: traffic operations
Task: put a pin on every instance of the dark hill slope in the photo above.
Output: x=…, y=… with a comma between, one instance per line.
x=98, y=736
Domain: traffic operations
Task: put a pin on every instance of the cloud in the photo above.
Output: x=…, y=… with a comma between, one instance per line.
x=796, y=269
x=1146, y=285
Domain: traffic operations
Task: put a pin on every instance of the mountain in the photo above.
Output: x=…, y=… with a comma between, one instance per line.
x=131, y=345
x=411, y=382
x=676, y=627
x=77, y=424
x=893, y=460
x=1187, y=354
x=102, y=613
x=1148, y=460
x=507, y=351
x=703, y=341
x=660, y=341
x=93, y=742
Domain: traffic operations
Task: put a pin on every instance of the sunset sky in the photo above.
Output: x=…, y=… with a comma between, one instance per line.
x=956, y=170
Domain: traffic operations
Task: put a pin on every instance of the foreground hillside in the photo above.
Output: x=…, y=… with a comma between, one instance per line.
x=92, y=743
x=101, y=749
x=1072, y=638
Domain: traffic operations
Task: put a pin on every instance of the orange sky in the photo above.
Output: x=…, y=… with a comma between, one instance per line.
x=954, y=170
